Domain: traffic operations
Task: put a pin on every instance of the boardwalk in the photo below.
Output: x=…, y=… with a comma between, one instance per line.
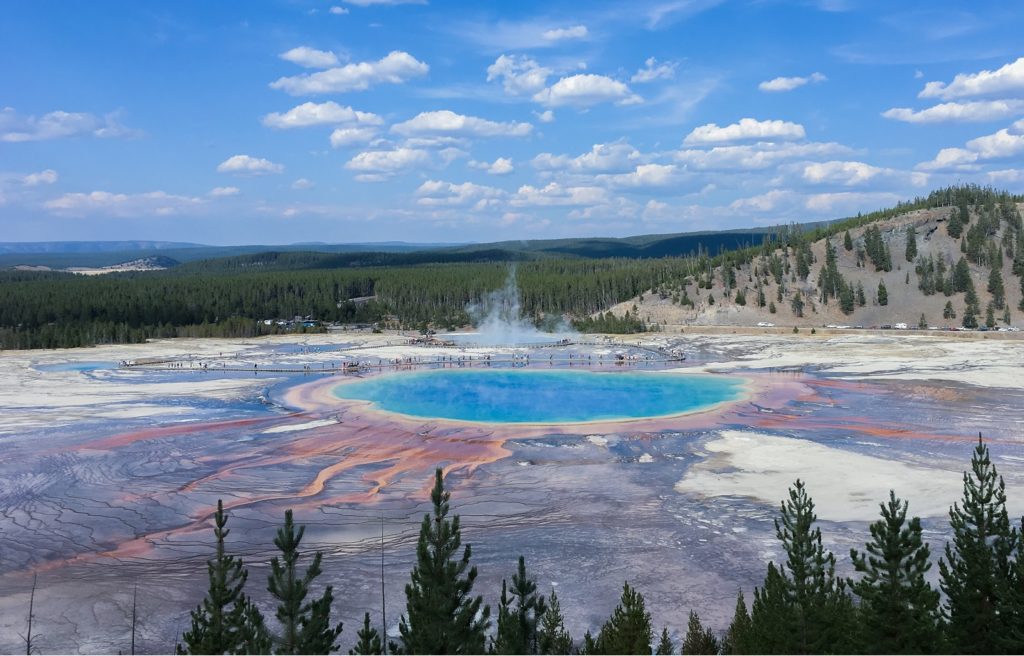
x=650, y=356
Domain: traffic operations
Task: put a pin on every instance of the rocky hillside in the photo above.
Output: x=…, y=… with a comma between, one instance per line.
x=966, y=257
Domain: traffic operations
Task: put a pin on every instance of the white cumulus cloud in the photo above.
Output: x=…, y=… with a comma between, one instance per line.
x=765, y=202
x=396, y=68
x=310, y=57
x=652, y=70
x=781, y=84
x=436, y=192
x=564, y=33
x=645, y=175
x=756, y=156
x=585, y=90
x=343, y=137
x=554, y=194
x=302, y=183
x=247, y=164
x=618, y=156
x=327, y=113
x=979, y=110
x=449, y=123
x=844, y=173
x=1007, y=79
x=1002, y=144
x=49, y=176
x=520, y=75
x=500, y=166
x=1006, y=176
x=105, y=203
x=547, y=116
x=747, y=128
x=851, y=174
x=220, y=192
x=338, y=11
x=15, y=128
x=387, y=162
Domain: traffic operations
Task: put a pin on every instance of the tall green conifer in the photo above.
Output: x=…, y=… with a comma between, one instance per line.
x=699, y=639
x=899, y=610
x=628, y=630
x=738, y=638
x=802, y=608
x=442, y=616
x=978, y=562
x=219, y=622
x=369, y=640
x=305, y=626
x=519, y=614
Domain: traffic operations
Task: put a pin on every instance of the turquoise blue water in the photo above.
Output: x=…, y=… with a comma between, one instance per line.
x=537, y=396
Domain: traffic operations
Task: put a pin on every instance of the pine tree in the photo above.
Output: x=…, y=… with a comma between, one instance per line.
x=948, y=312
x=955, y=226
x=628, y=630
x=518, y=616
x=255, y=637
x=552, y=638
x=961, y=276
x=442, y=615
x=802, y=608
x=369, y=639
x=970, y=319
x=218, y=622
x=990, y=316
x=1012, y=597
x=899, y=611
x=978, y=562
x=797, y=304
x=771, y=615
x=847, y=299
x=861, y=298
x=996, y=288
x=738, y=637
x=741, y=297
x=665, y=646
x=847, y=241
x=305, y=626
x=883, y=293
x=699, y=640
x=911, y=250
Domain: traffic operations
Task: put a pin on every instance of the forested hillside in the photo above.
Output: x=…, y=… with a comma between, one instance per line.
x=954, y=256
x=956, y=262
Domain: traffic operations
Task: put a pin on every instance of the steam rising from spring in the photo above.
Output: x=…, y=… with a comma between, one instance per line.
x=500, y=321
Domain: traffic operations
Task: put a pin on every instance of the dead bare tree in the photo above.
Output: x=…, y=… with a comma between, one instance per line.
x=135, y=616
x=29, y=644
x=383, y=605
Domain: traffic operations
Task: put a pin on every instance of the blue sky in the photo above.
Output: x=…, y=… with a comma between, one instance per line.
x=377, y=120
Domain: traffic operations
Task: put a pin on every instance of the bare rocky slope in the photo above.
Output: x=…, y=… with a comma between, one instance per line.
x=715, y=303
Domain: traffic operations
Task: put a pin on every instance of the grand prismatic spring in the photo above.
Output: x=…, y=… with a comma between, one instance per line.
x=598, y=461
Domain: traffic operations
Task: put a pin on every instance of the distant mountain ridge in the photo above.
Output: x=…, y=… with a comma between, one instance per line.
x=90, y=246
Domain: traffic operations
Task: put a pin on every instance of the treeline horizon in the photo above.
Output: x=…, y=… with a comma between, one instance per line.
x=802, y=607
x=234, y=296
